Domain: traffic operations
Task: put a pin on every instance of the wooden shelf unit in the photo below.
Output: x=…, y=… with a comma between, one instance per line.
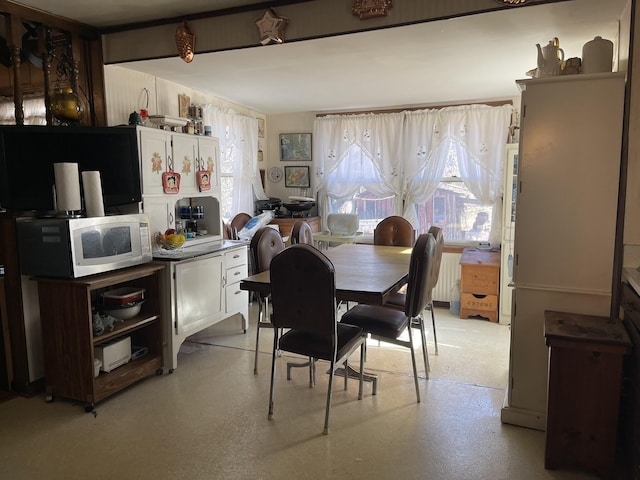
x=68, y=340
x=480, y=283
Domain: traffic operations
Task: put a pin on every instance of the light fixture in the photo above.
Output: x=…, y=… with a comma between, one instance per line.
x=186, y=42
x=512, y=2
x=271, y=27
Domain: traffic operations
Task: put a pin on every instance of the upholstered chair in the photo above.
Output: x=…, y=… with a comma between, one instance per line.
x=398, y=300
x=265, y=244
x=301, y=233
x=237, y=223
x=394, y=231
x=303, y=292
x=387, y=324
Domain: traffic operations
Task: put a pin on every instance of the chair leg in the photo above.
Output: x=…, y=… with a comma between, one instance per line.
x=312, y=372
x=273, y=373
x=329, y=393
x=361, y=371
x=260, y=313
x=433, y=322
x=346, y=373
x=413, y=361
x=425, y=356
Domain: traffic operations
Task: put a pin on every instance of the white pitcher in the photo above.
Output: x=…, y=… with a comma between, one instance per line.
x=550, y=58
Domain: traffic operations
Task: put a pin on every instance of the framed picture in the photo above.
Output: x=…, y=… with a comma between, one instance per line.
x=297, y=177
x=183, y=106
x=295, y=147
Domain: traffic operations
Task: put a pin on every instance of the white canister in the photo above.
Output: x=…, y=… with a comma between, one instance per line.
x=597, y=56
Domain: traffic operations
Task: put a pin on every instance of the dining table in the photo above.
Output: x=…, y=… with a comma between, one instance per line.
x=364, y=273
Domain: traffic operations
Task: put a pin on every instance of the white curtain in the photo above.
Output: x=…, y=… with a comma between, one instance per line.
x=477, y=134
x=238, y=136
x=357, y=151
x=404, y=154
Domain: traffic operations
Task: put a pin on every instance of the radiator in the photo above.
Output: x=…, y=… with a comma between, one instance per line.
x=449, y=275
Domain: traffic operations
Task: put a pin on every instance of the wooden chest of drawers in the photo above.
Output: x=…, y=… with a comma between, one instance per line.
x=480, y=283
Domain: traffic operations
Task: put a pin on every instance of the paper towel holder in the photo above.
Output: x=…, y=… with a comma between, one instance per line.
x=63, y=213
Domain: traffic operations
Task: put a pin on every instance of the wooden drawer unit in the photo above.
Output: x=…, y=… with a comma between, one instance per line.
x=480, y=283
x=472, y=301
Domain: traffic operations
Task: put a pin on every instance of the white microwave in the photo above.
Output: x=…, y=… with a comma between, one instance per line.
x=77, y=247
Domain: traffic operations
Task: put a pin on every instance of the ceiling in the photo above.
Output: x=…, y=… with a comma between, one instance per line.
x=476, y=57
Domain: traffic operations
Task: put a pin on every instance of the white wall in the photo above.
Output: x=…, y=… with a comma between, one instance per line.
x=275, y=125
x=125, y=93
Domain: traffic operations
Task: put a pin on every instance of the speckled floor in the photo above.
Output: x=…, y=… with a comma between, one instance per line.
x=208, y=420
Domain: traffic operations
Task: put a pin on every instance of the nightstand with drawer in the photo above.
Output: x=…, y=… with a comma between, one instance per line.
x=480, y=283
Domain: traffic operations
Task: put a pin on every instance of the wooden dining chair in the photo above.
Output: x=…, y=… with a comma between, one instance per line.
x=302, y=233
x=237, y=223
x=394, y=231
x=387, y=324
x=398, y=300
x=303, y=292
x=265, y=244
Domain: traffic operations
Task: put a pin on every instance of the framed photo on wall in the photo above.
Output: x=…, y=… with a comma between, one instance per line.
x=295, y=147
x=297, y=177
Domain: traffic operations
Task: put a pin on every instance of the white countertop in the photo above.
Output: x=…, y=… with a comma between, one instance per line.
x=187, y=252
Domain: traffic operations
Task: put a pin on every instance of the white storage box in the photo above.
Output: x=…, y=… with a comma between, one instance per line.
x=114, y=353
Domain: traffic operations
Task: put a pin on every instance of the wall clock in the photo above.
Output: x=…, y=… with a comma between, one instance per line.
x=275, y=174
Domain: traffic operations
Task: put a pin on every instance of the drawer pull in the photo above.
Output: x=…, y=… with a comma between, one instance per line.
x=237, y=273
x=236, y=256
x=237, y=292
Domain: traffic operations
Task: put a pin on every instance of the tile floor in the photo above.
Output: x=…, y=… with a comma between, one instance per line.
x=208, y=419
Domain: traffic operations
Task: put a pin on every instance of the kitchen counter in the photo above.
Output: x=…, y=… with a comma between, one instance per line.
x=192, y=251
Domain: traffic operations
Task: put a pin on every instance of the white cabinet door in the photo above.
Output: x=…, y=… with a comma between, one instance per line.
x=198, y=293
x=161, y=214
x=208, y=160
x=185, y=152
x=154, y=159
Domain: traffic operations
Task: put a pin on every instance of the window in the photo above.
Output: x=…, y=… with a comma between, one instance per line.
x=369, y=208
x=454, y=208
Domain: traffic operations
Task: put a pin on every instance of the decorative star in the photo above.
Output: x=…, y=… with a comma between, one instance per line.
x=271, y=27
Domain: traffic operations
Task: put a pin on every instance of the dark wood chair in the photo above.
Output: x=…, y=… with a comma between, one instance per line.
x=302, y=233
x=265, y=244
x=398, y=300
x=303, y=292
x=394, y=231
x=387, y=324
x=236, y=224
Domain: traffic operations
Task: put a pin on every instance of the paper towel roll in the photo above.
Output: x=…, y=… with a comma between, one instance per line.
x=67, y=186
x=93, y=202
